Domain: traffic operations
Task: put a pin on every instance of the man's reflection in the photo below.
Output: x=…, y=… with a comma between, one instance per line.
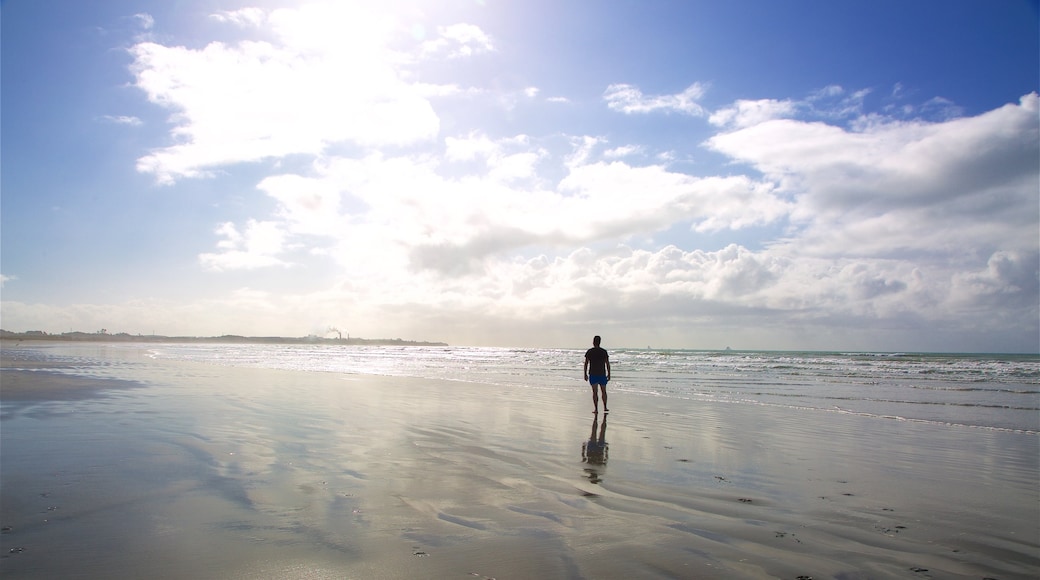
x=594, y=451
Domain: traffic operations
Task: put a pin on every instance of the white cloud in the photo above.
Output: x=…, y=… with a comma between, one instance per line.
x=4, y=279
x=845, y=219
x=253, y=100
x=623, y=151
x=242, y=17
x=625, y=200
x=745, y=113
x=900, y=187
x=584, y=147
x=416, y=219
x=307, y=206
x=505, y=160
x=458, y=41
x=469, y=148
x=257, y=247
x=629, y=99
x=123, y=120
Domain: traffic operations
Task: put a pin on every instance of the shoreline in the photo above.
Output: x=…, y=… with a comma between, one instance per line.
x=211, y=471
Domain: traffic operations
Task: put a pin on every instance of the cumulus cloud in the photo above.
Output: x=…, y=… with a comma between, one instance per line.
x=252, y=100
x=916, y=216
x=899, y=186
x=257, y=247
x=305, y=206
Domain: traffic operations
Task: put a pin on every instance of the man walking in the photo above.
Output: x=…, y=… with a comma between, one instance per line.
x=597, y=372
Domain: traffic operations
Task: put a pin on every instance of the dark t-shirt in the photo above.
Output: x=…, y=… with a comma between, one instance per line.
x=597, y=358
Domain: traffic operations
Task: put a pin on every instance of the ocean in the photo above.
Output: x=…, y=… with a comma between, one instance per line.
x=984, y=391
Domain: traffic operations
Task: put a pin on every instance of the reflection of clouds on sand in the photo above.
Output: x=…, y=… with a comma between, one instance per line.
x=594, y=451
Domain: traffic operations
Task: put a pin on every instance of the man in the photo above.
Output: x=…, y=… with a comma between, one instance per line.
x=597, y=372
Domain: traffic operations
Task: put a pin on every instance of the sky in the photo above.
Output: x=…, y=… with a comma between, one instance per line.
x=798, y=175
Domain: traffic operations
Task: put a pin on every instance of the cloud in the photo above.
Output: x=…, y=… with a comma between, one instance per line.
x=413, y=213
x=505, y=160
x=836, y=103
x=624, y=200
x=305, y=206
x=902, y=187
x=831, y=104
x=459, y=41
x=746, y=113
x=4, y=279
x=418, y=236
x=623, y=151
x=145, y=20
x=123, y=120
x=242, y=17
x=827, y=216
x=629, y=99
x=257, y=247
x=306, y=90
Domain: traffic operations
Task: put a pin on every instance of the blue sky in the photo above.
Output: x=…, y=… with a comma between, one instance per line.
x=754, y=174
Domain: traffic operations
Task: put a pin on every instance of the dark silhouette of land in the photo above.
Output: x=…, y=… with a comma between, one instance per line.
x=105, y=336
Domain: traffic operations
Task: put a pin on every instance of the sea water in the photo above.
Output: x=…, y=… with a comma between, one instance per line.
x=985, y=391
x=974, y=390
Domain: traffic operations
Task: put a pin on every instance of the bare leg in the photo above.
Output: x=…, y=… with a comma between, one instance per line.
x=603, y=389
x=595, y=400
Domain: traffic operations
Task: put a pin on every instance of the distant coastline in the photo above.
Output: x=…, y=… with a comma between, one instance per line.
x=6, y=335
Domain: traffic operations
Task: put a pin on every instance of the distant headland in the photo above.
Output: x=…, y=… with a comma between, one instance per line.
x=105, y=336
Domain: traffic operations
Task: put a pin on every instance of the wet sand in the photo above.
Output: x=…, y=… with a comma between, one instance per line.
x=207, y=472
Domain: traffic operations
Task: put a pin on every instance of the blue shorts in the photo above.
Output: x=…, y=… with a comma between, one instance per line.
x=598, y=380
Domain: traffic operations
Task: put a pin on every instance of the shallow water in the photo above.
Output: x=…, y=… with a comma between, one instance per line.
x=229, y=469
x=987, y=391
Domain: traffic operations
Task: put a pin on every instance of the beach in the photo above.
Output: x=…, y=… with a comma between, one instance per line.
x=118, y=464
